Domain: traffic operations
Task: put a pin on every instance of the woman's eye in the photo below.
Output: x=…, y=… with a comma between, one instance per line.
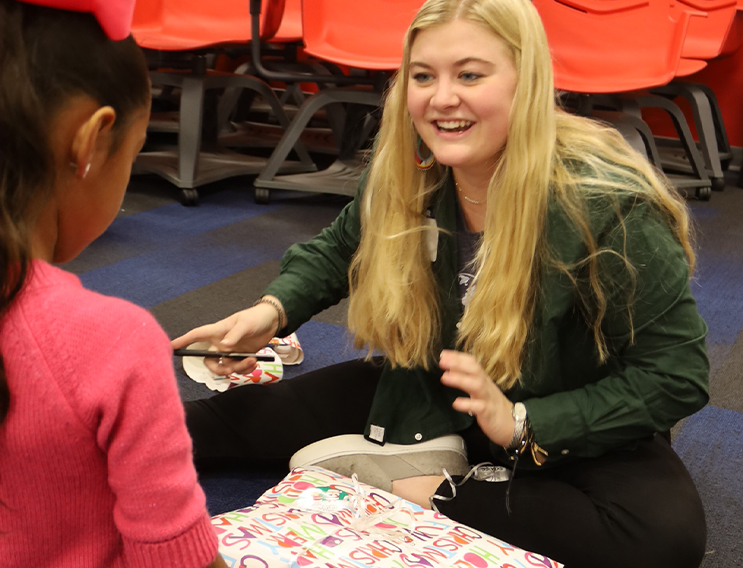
x=469, y=77
x=421, y=77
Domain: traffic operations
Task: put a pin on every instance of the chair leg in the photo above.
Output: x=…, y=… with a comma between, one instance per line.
x=303, y=117
x=189, y=135
x=618, y=109
x=267, y=94
x=710, y=131
x=723, y=143
x=682, y=128
x=647, y=138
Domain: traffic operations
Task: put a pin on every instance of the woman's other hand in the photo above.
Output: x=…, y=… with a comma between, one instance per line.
x=247, y=331
x=486, y=401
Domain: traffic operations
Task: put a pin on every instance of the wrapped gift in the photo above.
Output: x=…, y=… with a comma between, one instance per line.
x=315, y=518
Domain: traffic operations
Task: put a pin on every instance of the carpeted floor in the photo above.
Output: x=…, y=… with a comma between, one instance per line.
x=194, y=265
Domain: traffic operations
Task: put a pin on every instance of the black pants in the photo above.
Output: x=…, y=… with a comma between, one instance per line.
x=630, y=508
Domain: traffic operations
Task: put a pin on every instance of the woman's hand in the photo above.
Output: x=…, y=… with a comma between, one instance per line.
x=248, y=331
x=486, y=401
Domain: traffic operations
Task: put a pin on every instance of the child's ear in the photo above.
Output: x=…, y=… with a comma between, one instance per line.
x=91, y=135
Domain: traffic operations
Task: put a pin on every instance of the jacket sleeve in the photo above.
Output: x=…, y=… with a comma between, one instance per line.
x=658, y=369
x=314, y=275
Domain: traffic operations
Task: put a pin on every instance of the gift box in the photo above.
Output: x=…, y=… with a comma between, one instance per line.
x=315, y=518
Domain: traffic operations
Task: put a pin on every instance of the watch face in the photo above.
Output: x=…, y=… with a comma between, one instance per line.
x=519, y=411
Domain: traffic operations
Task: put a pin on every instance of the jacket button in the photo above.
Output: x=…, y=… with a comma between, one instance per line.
x=418, y=436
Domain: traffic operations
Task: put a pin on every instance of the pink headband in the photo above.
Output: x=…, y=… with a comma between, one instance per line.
x=114, y=16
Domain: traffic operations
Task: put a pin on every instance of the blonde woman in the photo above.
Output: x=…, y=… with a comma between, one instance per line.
x=525, y=276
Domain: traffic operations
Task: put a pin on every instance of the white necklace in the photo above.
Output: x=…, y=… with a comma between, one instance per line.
x=469, y=200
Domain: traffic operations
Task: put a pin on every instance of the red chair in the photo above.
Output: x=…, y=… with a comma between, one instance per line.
x=366, y=36
x=612, y=47
x=706, y=38
x=290, y=29
x=734, y=41
x=706, y=35
x=194, y=30
x=621, y=47
x=179, y=25
x=707, y=32
x=282, y=55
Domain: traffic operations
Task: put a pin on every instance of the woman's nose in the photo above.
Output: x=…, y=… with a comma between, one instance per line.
x=445, y=95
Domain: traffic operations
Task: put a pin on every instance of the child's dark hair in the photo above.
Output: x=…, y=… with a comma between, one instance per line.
x=48, y=56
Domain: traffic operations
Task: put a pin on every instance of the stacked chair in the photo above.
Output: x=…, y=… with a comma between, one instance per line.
x=371, y=48
x=626, y=56
x=301, y=109
x=705, y=39
x=181, y=39
x=346, y=61
x=246, y=123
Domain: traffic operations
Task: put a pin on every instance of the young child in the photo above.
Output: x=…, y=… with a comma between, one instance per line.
x=95, y=460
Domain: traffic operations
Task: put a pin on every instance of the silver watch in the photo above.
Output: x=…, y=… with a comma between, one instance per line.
x=519, y=416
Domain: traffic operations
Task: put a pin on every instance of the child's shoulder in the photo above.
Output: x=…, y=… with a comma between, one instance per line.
x=82, y=335
x=72, y=313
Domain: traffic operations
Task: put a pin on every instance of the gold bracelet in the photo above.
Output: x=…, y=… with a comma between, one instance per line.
x=277, y=306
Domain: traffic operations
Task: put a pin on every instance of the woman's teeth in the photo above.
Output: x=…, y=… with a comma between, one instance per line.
x=453, y=125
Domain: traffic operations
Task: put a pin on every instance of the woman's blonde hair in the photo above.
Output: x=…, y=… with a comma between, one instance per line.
x=549, y=154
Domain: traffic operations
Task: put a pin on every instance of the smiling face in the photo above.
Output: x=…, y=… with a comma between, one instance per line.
x=461, y=86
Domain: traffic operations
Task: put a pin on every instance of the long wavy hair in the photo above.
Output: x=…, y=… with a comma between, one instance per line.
x=48, y=56
x=549, y=155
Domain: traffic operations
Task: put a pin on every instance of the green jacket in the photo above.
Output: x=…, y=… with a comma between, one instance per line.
x=577, y=407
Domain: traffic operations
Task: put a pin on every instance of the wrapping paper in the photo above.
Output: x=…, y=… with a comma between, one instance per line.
x=285, y=351
x=314, y=518
x=288, y=348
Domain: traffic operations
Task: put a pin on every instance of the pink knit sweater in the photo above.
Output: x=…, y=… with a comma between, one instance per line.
x=95, y=460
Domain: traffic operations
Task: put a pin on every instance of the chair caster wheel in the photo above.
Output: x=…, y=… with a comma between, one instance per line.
x=718, y=184
x=189, y=197
x=262, y=196
x=704, y=193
